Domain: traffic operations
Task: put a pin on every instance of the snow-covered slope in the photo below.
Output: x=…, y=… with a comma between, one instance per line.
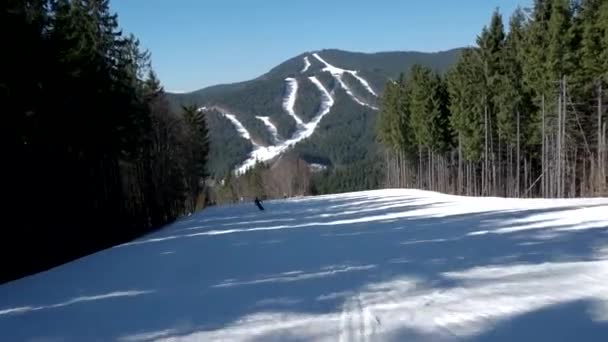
x=290, y=99
x=390, y=265
x=305, y=130
x=243, y=132
x=306, y=65
x=337, y=74
x=271, y=127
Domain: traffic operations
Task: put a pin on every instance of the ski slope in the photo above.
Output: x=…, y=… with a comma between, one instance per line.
x=387, y=265
x=274, y=132
x=243, y=132
x=289, y=100
x=337, y=75
x=304, y=130
x=306, y=65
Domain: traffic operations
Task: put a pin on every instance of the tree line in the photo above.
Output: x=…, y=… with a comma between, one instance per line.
x=521, y=114
x=95, y=156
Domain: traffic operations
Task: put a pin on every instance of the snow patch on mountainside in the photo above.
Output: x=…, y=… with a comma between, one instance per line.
x=290, y=99
x=306, y=65
x=351, y=94
x=266, y=153
x=243, y=132
x=337, y=74
x=271, y=127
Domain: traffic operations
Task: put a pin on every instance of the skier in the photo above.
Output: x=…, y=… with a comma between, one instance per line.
x=258, y=203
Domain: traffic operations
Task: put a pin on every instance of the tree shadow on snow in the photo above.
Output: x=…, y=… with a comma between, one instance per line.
x=312, y=256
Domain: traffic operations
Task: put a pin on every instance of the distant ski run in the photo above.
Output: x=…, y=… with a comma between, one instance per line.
x=289, y=101
x=339, y=71
x=272, y=129
x=243, y=132
x=305, y=130
x=306, y=65
x=337, y=75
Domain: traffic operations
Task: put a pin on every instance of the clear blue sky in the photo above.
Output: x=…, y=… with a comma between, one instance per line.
x=197, y=43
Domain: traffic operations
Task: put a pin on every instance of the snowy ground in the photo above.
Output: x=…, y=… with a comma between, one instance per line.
x=388, y=265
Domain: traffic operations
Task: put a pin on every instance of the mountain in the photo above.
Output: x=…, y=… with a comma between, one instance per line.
x=322, y=105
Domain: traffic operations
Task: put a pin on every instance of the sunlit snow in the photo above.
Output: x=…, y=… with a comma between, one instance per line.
x=386, y=265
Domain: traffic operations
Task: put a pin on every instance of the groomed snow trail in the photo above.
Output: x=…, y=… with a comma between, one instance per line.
x=337, y=74
x=305, y=130
x=306, y=65
x=243, y=132
x=289, y=101
x=271, y=128
x=385, y=265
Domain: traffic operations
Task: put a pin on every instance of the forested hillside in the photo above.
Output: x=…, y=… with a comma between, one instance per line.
x=346, y=134
x=522, y=113
x=90, y=140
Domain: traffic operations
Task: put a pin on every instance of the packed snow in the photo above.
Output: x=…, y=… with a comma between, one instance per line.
x=289, y=101
x=243, y=132
x=337, y=75
x=305, y=130
x=306, y=65
x=271, y=128
x=386, y=265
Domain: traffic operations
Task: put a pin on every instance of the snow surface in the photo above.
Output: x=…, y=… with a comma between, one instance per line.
x=243, y=132
x=387, y=265
x=290, y=99
x=305, y=130
x=306, y=65
x=337, y=74
x=271, y=127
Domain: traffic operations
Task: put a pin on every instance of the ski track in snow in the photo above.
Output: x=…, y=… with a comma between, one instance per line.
x=351, y=94
x=306, y=65
x=271, y=128
x=290, y=99
x=243, y=132
x=305, y=130
x=539, y=271
x=337, y=74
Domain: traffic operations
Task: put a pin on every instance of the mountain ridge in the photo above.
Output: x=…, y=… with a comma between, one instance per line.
x=276, y=111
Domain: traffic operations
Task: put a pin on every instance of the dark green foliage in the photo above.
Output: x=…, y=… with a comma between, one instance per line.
x=308, y=101
x=360, y=175
x=466, y=105
x=346, y=133
x=92, y=146
x=358, y=90
x=525, y=113
x=227, y=148
x=344, y=136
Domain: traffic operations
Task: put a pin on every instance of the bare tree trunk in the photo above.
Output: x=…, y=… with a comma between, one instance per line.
x=526, y=173
x=559, y=142
x=573, y=184
x=544, y=152
x=517, y=170
x=484, y=172
x=564, y=145
x=600, y=164
x=419, y=167
x=460, y=171
x=430, y=169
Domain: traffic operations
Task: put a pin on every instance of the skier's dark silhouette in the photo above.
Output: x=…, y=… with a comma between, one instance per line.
x=258, y=203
